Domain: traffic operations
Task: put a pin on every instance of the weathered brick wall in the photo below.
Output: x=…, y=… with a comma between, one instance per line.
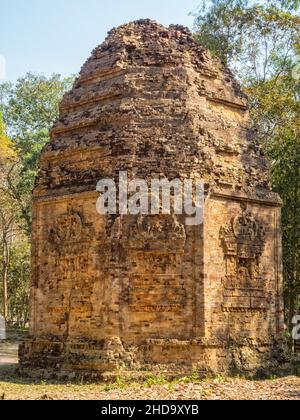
x=243, y=273
x=112, y=292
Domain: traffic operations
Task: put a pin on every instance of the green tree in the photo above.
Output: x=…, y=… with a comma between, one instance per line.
x=18, y=285
x=255, y=40
x=29, y=109
x=285, y=151
x=8, y=213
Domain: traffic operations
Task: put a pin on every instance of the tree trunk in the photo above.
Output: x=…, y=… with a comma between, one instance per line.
x=7, y=239
x=5, y=291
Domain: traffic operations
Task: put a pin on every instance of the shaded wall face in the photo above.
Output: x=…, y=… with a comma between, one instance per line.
x=96, y=277
x=243, y=273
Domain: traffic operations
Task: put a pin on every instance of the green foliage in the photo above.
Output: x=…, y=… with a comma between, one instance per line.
x=216, y=27
x=285, y=150
x=290, y=4
x=194, y=378
x=256, y=41
x=18, y=285
x=30, y=106
x=152, y=380
x=29, y=109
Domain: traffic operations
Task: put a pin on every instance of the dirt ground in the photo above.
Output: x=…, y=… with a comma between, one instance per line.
x=13, y=387
x=8, y=353
x=217, y=389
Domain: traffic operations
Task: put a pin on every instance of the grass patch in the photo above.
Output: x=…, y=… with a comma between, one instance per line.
x=152, y=380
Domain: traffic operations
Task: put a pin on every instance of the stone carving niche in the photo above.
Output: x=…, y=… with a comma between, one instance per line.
x=243, y=241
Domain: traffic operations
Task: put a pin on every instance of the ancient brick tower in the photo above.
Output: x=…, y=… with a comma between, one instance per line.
x=131, y=293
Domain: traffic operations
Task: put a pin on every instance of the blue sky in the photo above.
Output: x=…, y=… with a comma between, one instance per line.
x=57, y=36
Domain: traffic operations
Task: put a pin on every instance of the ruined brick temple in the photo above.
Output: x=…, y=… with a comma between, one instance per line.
x=136, y=293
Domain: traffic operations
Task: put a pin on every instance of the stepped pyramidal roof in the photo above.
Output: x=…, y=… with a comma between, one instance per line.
x=151, y=99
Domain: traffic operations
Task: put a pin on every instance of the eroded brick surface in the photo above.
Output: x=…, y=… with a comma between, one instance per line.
x=149, y=291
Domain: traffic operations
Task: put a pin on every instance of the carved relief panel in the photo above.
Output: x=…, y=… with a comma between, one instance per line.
x=154, y=246
x=71, y=234
x=243, y=241
x=70, y=285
